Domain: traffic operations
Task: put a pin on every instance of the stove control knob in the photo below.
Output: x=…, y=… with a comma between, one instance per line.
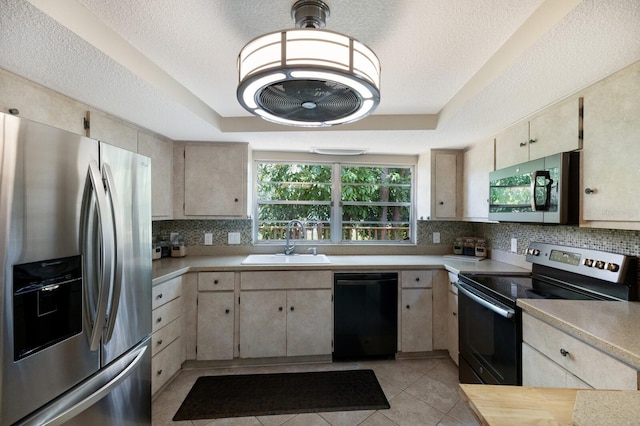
x=533, y=252
x=599, y=264
x=588, y=263
x=612, y=267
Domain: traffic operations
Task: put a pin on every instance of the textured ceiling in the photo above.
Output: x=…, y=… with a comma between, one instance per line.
x=474, y=66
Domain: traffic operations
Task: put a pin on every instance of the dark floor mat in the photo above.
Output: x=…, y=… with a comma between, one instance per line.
x=213, y=397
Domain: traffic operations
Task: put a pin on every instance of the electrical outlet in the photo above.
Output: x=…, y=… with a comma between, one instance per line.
x=233, y=237
x=208, y=239
x=436, y=238
x=514, y=245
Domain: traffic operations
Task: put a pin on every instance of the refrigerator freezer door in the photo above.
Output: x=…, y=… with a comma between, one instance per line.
x=128, y=177
x=118, y=395
x=42, y=182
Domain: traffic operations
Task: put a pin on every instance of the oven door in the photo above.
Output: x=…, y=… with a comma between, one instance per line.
x=489, y=337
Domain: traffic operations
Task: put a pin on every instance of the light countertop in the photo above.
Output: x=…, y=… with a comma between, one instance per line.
x=167, y=268
x=609, y=326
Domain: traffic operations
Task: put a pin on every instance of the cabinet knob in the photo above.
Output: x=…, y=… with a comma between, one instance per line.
x=215, y=282
x=235, y=200
x=159, y=296
x=292, y=309
x=442, y=203
x=160, y=342
x=226, y=311
x=417, y=279
x=408, y=307
x=533, y=141
x=159, y=372
x=589, y=191
x=564, y=352
x=280, y=308
x=159, y=320
x=455, y=314
x=523, y=144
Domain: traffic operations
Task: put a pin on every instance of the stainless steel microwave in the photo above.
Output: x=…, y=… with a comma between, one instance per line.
x=545, y=190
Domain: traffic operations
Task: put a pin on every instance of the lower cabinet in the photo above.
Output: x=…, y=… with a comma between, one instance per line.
x=416, y=330
x=553, y=358
x=167, y=348
x=277, y=319
x=452, y=320
x=216, y=315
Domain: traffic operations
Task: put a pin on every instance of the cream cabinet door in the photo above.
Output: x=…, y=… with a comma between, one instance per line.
x=263, y=323
x=161, y=153
x=478, y=162
x=512, y=145
x=215, y=179
x=309, y=322
x=215, y=325
x=611, y=150
x=444, y=185
x=416, y=319
x=557, y=129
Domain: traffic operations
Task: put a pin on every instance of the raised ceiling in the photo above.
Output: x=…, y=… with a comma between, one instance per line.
x=454, y=72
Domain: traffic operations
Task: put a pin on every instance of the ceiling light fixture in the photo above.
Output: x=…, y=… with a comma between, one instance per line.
x=308, y=77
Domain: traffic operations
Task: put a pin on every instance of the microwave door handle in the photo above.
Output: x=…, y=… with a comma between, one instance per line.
x=535, y=206
x=119, y=251
x=507, y=313
x=97, y=250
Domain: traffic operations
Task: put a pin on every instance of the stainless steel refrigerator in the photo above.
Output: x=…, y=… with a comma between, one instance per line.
x=75, y=289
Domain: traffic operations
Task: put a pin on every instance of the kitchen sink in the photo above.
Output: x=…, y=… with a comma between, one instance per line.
x=282, y=259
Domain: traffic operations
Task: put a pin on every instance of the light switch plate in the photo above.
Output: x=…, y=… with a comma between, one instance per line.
x=208, y=239
x=514, y=245
x=234, y=237
x=436, y=238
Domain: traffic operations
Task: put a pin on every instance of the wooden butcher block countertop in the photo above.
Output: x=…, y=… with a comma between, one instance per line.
x=524, y=406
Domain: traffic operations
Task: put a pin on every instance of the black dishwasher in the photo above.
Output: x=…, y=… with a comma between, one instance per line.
x=365, y=318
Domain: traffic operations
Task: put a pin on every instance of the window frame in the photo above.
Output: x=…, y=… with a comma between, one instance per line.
x=336, y=191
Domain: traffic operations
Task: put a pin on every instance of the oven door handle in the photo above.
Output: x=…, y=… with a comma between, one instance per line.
x=505, y=312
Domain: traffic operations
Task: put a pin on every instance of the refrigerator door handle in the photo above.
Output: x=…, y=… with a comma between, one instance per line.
x=114, y=297
x=90, y=392
x=96, y=241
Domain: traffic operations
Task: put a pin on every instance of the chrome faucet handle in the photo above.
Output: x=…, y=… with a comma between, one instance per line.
x=314, y=250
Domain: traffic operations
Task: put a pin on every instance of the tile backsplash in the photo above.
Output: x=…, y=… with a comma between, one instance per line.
x=497, y=235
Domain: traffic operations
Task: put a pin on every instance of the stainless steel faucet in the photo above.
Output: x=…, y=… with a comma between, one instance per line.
x=288, y=249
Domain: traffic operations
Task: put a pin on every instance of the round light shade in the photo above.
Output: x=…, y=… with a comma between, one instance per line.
x=308, y=77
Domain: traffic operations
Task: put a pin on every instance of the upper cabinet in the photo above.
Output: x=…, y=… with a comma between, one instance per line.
x=113, y=131
x=556, y=129
x=478, y=162
x=210, y=180
x=611, y=153
x=161, y=153
x=446, y=184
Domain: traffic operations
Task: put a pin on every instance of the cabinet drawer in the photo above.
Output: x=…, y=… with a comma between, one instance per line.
x=166, y=292
x=165, y=335
x=540, y=371
x=591, y=365
x=216, y=281
x=417, y=279
x=165, y=314
x=285, y=280
x=165, y=364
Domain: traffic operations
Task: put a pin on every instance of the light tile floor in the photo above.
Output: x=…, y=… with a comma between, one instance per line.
x=421, y=392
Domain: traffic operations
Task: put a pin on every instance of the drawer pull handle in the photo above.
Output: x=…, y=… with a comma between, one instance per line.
x=159, y=372
x=226, y=311
x=159, y=320
x=408, y=307
x=564, y=352
x=280, y=308
x=159, y=296
x=215, y=282
x=454, y=314
x=160, y=342
x=417, y=279
x=292, y=309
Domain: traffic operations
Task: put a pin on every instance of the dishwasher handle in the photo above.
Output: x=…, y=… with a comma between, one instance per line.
x=505, y=312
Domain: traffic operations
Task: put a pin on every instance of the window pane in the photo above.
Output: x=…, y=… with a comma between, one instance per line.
x=371, y=231
x=294, y=191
